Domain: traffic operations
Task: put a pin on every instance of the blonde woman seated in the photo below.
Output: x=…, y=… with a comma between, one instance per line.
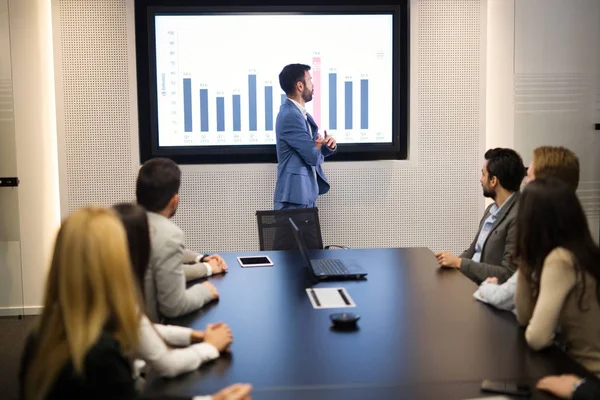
x=90, y=325
x=197, y=347
x=559, y=272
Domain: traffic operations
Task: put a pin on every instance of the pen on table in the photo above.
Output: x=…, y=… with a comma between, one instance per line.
x=341, y=291
x=315, y=298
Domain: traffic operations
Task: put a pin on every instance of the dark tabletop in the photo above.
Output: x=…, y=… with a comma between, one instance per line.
x=421, y=334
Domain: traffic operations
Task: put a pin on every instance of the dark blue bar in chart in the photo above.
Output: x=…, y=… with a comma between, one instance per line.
x=203, y=110
x=269, y=108
x=187, y=104
x=348, y=104
x=220, y=114
x=364, y=104
x=237, y=111
x=252, y=101
x=283, y=98
x=332, y=101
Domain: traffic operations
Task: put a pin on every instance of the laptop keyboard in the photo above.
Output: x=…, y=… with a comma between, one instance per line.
x=329, y=267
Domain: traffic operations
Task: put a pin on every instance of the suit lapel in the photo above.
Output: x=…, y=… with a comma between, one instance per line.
x=313, y=125
x=503, y=212
x=310, y=122
x=486, y=214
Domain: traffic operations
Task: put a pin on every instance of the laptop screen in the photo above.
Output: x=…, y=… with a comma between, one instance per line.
x=300, y=241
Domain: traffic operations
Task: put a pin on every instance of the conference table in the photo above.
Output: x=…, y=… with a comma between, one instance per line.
x=421, y=334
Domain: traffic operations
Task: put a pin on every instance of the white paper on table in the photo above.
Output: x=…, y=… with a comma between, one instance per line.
x=329, y=298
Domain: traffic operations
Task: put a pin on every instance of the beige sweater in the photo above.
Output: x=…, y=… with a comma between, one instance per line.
x=557, y=305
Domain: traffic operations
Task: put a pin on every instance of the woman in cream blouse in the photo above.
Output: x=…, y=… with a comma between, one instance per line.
x=559, y=268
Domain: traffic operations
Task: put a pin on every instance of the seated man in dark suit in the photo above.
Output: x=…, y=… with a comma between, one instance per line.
x=491, y=250
x=548, y=161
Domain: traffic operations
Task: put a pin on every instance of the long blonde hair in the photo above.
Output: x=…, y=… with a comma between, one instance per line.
x=90, y=290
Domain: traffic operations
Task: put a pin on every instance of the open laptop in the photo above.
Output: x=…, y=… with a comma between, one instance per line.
x=328, y=268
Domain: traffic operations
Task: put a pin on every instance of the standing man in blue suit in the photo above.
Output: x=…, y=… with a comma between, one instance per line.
x=300, y=147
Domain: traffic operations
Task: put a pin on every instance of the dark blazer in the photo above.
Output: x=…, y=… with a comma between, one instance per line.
x=588, y=390
x=107, y=375
x=496, y=254
x=296, y=156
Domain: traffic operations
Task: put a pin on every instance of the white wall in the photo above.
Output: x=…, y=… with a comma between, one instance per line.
x=432, y=200
x=500, y=55
x=598, y=91
x=542, y=79
x=11, y=289
x=36, y=152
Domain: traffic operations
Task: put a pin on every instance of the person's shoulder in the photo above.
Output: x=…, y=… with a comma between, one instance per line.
x=287, y=105
x=106, y=355
x=512, y=207
x=289, y=112
x=512, y=203
x=163, y=229
x=106, y=351
x=161, y=223
x=514, y=199
x=560, y=257
x=106, y=343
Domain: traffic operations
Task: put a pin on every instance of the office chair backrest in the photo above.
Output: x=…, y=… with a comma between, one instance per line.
x=275, y=231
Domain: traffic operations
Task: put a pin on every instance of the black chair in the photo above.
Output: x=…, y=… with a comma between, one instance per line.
x=275, y=231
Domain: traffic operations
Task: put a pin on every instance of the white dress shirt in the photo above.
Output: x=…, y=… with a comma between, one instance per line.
x=166, y=361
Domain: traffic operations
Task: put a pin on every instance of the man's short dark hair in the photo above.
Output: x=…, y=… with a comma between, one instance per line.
x=157, y=182
x=507, y=166
x=290, y=75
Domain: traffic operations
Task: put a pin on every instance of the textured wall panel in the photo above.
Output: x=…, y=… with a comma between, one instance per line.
x=554, y=109
x=432, y=201
x=97, y=111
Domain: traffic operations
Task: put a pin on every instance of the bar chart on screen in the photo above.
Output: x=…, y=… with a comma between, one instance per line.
x=228, y=93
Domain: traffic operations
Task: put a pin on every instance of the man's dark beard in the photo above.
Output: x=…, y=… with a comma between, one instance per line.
x=489, y=193
x=307, y=96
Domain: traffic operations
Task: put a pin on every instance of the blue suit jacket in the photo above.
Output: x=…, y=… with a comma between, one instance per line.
x=296, y=155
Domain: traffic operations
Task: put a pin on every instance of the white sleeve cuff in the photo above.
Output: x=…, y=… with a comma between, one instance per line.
x=207, y=265
x=208, y=269
x=205, y=351
x=175, y=335
x=202, y=398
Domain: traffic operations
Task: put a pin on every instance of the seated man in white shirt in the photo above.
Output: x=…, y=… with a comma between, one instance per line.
x=548, y=161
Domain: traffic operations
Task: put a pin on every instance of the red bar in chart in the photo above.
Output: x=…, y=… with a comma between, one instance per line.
x=316, y=79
